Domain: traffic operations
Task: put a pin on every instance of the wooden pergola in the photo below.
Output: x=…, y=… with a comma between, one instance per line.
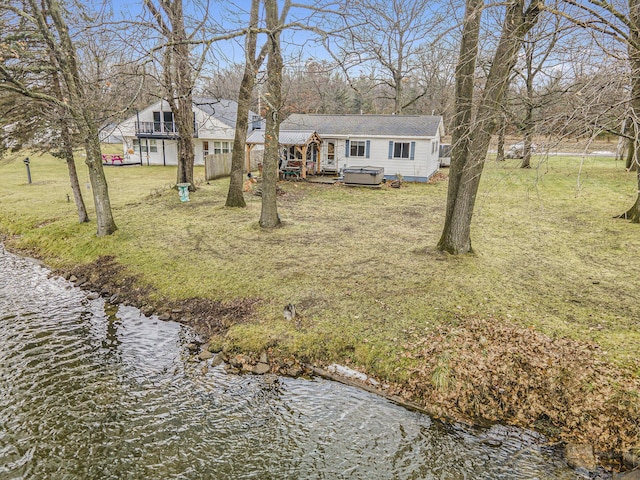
x=302, y=147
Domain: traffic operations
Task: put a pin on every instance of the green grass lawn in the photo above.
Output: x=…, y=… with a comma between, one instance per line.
x=361, y=264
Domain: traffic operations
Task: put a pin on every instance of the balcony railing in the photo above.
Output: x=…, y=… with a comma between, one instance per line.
x=160, y=129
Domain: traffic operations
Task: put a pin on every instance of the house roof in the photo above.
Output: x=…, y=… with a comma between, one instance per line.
x=287, y=137
x=222, y=109
x=371, y=125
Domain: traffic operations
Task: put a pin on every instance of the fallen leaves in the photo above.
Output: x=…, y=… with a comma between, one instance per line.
x=492, y=370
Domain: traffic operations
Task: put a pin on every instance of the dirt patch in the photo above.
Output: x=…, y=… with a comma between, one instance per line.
x=439, y=177
x=108, y=278
x=489, y=370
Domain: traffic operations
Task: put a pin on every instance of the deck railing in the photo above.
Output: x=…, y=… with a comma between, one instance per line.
x=160, y=129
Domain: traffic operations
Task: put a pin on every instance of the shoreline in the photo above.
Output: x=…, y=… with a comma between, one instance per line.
x=200, y=314
x=537, y=329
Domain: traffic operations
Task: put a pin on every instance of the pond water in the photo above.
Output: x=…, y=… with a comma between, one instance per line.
x=94, y=391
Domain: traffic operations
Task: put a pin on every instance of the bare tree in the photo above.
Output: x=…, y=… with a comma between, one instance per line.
x=178, y=79
x=235, y=197
x=56, y=47
x=387, y=37
x=622, y=22
x=472, y=132
x=534, y=93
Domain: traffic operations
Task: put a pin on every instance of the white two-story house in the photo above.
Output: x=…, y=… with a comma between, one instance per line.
x=150, y=136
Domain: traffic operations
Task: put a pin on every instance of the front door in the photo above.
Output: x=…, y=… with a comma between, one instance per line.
x=330, y=160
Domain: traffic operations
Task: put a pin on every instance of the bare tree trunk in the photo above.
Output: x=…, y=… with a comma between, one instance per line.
x=269, y=217
x=183, y=104
x=502, y=128
x=67, y=152
x=235, y=196
x=183, y=116
x=527, y=144
x=469, y=162
x=528, y=119
x=631, y=162
x=622, y=145
x=67, y=148
x=465, y=77
x=104, y=217
x=399, y=94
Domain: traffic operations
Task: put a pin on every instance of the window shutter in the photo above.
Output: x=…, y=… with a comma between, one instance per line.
x=390, y=149
x=346, y=148
x=367, y=149
x=412, y=153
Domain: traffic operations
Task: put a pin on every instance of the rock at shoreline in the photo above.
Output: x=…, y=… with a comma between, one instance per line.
x=217, y=360
x=580, y=455
x=205, y=355
x=261, y=369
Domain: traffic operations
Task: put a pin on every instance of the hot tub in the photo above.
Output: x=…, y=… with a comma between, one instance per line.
x=363, y=175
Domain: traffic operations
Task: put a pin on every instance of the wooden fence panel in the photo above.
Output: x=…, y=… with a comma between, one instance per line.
x=219, y=164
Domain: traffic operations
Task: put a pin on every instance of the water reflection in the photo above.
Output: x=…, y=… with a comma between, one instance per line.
x=96, y=392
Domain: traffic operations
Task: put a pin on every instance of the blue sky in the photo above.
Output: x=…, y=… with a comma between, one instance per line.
x=229, y=16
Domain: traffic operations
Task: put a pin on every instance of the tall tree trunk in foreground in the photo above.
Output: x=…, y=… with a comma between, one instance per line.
x=471, y=141
x=182, y=105
x=529, y=104
x=66, y=56
x=465, y=76
x=99, y=187
x=67, y=149
x=235, y=197
x=269, y=217
x=67, y=153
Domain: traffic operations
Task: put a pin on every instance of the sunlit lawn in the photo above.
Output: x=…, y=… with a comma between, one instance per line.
x=361, y=264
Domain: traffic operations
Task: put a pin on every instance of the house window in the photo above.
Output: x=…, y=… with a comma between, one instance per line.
x=140, y=147
x=153, y=145
x=222, y=147
x=169, y=124
x=357, y=148
x=205, y=148
x=401, y=149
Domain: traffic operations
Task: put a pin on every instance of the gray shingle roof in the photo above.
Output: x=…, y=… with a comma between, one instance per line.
x=222, y=109
x=378, y=125
x=287, y=137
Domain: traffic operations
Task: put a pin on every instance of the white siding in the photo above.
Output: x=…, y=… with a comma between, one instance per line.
x=424, y=164
x=209, y=128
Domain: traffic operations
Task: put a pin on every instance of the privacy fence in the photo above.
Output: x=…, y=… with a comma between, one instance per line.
x=219, y=164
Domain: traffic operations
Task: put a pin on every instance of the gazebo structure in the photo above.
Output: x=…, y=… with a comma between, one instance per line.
x=299, y=151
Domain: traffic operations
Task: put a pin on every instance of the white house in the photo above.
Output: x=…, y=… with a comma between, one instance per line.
x=150, y=136
x=406, y=145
